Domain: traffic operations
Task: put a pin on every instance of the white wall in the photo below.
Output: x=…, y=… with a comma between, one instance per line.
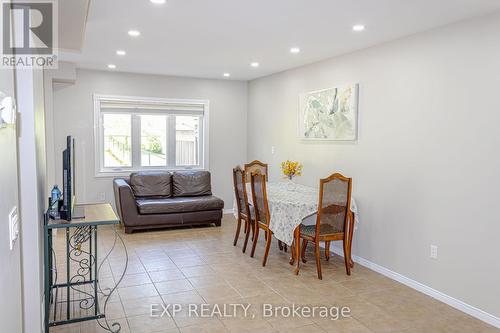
x=22, y=179
x=73, y=114
x=32, y=191
x=64, y=74
x=426, y=167
x=10, y=260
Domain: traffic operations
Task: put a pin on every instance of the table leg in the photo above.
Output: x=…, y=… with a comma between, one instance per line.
x=96, y=277
x=297, y=249
x=47, y=269
x=68, y=278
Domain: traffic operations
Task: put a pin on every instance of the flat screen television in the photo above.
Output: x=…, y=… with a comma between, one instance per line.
x=68, y=210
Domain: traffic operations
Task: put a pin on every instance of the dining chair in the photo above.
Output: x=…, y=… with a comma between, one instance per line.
x=257, y=165
x=333, y=220
x=245, y=211
x=261, y=207
x=253, y=166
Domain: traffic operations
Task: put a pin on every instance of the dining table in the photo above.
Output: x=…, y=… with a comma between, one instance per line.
x=291, y=204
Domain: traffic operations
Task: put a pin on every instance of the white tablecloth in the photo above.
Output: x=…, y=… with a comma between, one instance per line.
x=289, y=204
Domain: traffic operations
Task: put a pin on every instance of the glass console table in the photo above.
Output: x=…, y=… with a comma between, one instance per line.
x=72, y=290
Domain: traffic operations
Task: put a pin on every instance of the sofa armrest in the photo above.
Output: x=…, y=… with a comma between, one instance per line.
x=125, y=201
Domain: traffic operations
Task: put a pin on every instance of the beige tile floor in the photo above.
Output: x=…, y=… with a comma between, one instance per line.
x=200, y=265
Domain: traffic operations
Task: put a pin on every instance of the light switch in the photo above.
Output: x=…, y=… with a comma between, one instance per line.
x=272, y=150
x=13, y=226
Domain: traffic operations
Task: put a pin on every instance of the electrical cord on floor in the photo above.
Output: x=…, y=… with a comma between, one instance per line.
x=106, y=258
x=115, y=327
x=54, y=270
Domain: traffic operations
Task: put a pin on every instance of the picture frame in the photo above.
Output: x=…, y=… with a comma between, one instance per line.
x=329, y=114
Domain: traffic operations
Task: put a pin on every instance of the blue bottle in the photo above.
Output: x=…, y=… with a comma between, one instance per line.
x=55, y=195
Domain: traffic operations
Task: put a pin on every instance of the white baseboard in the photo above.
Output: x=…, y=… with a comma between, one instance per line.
x=453, y=302
x=436, y=294
x=227, y=211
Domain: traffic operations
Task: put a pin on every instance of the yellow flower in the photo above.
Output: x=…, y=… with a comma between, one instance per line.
x=291, y=169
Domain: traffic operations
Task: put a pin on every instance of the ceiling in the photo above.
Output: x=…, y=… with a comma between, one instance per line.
x=72, y=19
x=206, y=38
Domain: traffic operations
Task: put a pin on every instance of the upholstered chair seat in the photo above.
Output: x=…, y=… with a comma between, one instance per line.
x=324, y=229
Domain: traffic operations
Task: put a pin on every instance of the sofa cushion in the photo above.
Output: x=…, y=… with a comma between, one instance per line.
x=191, y=183
x=151, y=184
x=178, y=205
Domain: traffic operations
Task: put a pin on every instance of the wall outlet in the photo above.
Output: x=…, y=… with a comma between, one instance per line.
x=101, y=196
x=434, y=251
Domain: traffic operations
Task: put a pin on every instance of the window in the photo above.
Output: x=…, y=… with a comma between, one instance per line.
x=154, y=140
x=133, y=133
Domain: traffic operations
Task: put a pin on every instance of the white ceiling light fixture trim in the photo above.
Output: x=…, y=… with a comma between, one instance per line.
x=255, y=64
x=294, y=50
x=358, y=27
x=111, y=66
x=152, y=51
x=226, y=75
x=121, y=52
x=158, y=2
x=134, y=33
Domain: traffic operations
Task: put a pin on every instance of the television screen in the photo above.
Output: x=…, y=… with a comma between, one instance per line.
x=68, y=176
x=69, y=209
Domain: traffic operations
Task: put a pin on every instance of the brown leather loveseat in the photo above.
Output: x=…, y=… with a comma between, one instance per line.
x=158, y=199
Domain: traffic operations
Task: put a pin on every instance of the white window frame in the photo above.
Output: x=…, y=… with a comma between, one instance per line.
x=101, y=171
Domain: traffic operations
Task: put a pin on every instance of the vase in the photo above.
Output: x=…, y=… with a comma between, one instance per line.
x=290, y=184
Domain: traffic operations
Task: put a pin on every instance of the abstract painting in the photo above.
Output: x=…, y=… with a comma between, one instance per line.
x=329, y=114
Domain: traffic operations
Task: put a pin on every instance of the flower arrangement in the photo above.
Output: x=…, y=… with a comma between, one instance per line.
x=291, y=169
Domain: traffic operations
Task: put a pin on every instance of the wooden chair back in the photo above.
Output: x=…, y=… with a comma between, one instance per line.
x=259, y=197
x=334, y=204
x=240, y=191
x=255, y=166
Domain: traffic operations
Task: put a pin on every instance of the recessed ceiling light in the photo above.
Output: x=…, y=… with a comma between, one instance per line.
x=158, y=2
x=294, y=50
x=111, y=66
x=121, y=52
x=254, y=64
x=226, y=75
x=358, y=27
x=134, y=33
